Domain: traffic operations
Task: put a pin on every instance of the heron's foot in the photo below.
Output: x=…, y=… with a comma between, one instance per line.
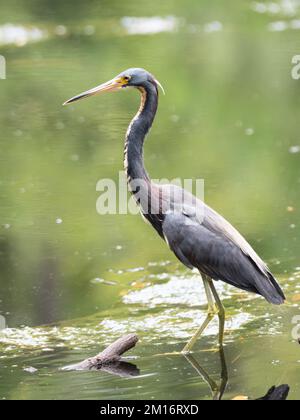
x=184, y=351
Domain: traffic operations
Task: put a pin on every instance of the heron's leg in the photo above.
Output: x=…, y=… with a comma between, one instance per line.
x=221, y=312
x=216, y=389
x=224, y=373
x=202, y=372
x=212, y=311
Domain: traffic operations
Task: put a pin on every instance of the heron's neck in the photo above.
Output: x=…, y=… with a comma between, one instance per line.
x=136, y=133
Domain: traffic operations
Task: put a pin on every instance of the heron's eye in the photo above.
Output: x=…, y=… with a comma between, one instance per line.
x=127, y=78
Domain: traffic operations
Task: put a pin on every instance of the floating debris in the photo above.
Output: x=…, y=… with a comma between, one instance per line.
x=249, y=131
x=139, y=284
x=240, y=398
x=60, y=30
x=58, y=221
x=30, y=369
x=213, y=27
x=284, y=7
x=159, y=263
x=160, y=277
x=74, y=158
x=89, y=30
x=172, y=311
x=20, y=35
x=295, y=24
x=296, y=297
x=279, y=26
x=149, y=25
x=135, y=270
x=294, y=149
x=174, y=118
x=178, y=291
x=170, y=323
x=99, y=280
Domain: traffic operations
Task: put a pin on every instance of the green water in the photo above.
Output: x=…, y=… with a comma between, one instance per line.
x=230, y=116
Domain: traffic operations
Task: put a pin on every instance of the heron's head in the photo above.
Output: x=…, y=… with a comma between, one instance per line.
x=136, y=78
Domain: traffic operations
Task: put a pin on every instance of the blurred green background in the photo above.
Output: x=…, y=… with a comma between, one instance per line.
x=230, y=116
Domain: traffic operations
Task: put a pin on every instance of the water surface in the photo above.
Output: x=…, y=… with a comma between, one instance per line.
x=71, y=280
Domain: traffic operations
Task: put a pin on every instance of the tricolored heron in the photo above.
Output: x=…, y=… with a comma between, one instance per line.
x=199, y=237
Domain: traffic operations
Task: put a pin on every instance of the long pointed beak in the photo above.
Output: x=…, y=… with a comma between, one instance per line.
x=110, y=86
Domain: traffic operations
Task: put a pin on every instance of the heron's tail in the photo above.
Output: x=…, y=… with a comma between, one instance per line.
x=270, y=290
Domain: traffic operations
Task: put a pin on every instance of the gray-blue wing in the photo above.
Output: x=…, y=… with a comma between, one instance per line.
x=215, y=255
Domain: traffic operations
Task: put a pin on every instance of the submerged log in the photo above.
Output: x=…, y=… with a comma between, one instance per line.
x=110, y=356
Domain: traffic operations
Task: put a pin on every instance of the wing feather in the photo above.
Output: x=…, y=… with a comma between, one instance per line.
x=217, y=255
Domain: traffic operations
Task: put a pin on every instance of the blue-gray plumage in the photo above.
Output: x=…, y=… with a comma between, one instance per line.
x=199, y=237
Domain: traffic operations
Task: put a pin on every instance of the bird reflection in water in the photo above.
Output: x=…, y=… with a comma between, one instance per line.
x=126, y=369
x=279, y=393
x=217, y=390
